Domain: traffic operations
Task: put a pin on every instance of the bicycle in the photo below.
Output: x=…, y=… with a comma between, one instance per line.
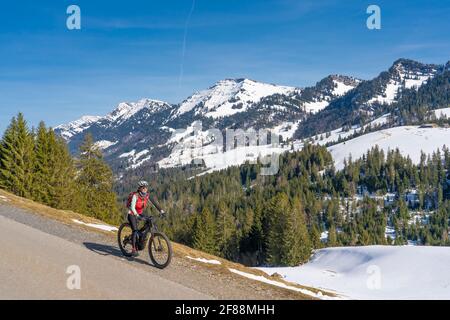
x=159, y=246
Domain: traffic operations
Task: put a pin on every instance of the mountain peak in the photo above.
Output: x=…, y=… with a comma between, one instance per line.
x=72, y=128
x=413, y=66
x=125, y=110
x=405, y=61
x=230, y=96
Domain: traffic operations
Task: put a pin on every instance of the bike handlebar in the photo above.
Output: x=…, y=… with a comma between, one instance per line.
x=145, y=217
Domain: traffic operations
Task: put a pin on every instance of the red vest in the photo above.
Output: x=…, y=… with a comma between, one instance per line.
x=141, y=203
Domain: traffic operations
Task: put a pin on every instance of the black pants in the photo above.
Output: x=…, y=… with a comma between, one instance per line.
x=132, y=219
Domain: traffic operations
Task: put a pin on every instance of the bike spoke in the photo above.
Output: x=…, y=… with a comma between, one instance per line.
x=160, y=250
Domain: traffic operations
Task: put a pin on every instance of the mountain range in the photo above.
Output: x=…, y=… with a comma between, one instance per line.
x=147, y=131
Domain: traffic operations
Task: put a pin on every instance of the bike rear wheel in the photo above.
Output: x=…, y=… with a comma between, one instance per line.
x=124, y=238
x=160, y=250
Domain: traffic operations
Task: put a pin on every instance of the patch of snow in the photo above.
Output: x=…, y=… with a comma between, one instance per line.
x=136, y=159
x=97, y=226
x=70, y=129
x=324, y=236
x=139, y=162
x=376, y=272
x=128, y=154
x=314, y=107
x=341, y=88
x=204, y=260
x=286, y=129
x=167, y=129
x=440, y=113
x=416, y=83
x=390, y=93
x=390, y=232
x=104, y=144
x=216, y=159
x=340, y=132
x=141, y=154
x=318, y=295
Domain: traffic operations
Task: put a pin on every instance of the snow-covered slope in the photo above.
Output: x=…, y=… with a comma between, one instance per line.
x=372, y=97
x=333, y=136
x=410, y=140
x=404, y=74
x=230, y=96
x=376, y=272
x=440, y=113
x=126, y=110
x=70, y=129
x=318, y=97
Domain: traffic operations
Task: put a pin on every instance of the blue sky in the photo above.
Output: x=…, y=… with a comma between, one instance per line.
x=166, y=50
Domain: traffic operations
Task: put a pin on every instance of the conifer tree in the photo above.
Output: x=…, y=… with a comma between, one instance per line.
x=17, y=158
x=297, y=244
x=315, y=237
x=225, y=230
x=43, y=151
x=95, y=182
x=276, y=209
x=204, y=232
x=288, y=239
x=332, y=236
x=65, y=194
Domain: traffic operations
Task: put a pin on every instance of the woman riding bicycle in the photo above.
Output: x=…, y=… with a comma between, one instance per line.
x=137, y=202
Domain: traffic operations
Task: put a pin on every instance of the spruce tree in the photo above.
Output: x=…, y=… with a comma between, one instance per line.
x=276, y=209
x=17, y=158
x=296, y=241
x=225, y=230
x=332, y=236
x=65, y=194
x=204, y=232
x=95, y=182
x=288, y=239
x=42, y=167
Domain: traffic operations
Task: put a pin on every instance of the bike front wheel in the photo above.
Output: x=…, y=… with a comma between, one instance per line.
x=160, y=250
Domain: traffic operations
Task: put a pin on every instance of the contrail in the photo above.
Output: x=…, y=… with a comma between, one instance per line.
x=183, y=50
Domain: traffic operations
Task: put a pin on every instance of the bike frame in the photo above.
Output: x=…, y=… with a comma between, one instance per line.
x=149, y=226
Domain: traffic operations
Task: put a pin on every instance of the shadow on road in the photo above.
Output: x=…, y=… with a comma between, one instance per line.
x=107, y=250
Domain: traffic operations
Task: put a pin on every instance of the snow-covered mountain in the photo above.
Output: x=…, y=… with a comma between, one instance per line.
x=67, y=131
x=371, y=98
x=152, y=131
x=404, y=74
x=318, y=97
x=230, y=96
x=123, y=112
x=135, y=133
